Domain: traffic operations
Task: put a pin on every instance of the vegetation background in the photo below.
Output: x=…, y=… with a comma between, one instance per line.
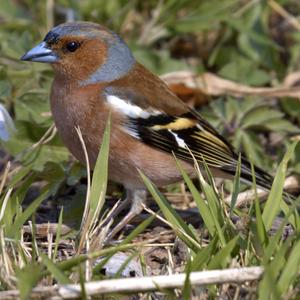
x=251, y=42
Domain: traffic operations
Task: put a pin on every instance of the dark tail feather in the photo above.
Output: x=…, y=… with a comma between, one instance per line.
x=262, y=178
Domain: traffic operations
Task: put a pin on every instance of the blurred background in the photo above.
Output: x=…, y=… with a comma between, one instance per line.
x=249, y=42
x=236, y=61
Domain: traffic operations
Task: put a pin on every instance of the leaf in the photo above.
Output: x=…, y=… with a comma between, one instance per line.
x=244, y=71
x=24, y=216
x=253, y=149
x=281, y=125
x=214, y=208
x=28, y=277
x=274, y=200
x=204, y=255
x=171, y=215
x=33, y=108
x=54, y=270
x=236, y=185
x=100, y=176
x=260, y=115
x=221, y=258
x=291, y=106
x=201, y=205
x=291, y=268
x=20, y=145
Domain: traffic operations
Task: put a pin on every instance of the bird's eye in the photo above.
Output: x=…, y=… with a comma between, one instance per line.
x=72, y=46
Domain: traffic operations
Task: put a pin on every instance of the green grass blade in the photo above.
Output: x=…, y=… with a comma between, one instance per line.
x=213, y=203
x=236, y=186
x=221, y=258
x=99, y=182
x=267, y=289
x=24, y=216
x=291, y=268
x=274, y=200
x=76, y=260
x=187, y=289
x=28, y=277
x=203, y=256
x=260, y=226
x=211, y=199
x=274, y=240
x=201, y=205
x=140, y=228
x=57, y=238
x=54, y=270
x=137, y=230
x=83, y=294
x=171, y=215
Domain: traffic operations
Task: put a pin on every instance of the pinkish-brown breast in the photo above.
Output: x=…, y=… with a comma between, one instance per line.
x=87, y=109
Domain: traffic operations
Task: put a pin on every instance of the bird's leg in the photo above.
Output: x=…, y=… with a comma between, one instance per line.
x=137, y=198
x=125, y=203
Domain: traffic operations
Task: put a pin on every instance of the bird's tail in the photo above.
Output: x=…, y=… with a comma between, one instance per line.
x=263, y=179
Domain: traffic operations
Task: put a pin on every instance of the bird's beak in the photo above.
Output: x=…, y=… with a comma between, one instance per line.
x=40, y=53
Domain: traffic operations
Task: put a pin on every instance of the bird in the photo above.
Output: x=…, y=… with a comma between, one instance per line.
x=96, y=77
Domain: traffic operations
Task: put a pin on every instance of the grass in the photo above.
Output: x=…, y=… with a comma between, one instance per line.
x=222, y=244
x=54, y=216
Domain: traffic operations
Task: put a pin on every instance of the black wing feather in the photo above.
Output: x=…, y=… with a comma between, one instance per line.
x=161, y=131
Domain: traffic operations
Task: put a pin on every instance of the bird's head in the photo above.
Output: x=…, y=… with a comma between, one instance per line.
x=83, y=51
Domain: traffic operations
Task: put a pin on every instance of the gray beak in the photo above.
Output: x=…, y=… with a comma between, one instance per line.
x=40, y=53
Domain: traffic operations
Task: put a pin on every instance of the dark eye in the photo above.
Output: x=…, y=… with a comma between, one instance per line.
x=72, y=46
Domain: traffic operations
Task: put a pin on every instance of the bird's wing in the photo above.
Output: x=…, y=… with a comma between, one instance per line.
x=178, y=134
x=183, y=134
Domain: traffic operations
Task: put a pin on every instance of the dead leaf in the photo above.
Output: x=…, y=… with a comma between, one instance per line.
x=186, y=83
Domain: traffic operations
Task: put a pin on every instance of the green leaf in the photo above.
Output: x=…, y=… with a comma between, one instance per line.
x=99, y=182
x=220, y=260
x=260, y=115
x=260, y=227
x=57, y=238
x=171, y=215
x=54, y=269
x=291, y=268
x=28, y=278
x=204, y=255
x=291, y=106
x=236, y=185
x=202, y=206
x=187, y=288
x=253, y=148
x=281, y=125
x=24, y=216
x=274, y=200
x=213, y=204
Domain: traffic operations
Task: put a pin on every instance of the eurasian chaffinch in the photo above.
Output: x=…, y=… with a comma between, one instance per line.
x=95, y=74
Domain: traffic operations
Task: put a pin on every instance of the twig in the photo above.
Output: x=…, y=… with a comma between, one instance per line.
x=135, y=285
x=153, y=283
x=43, y=229
x=213, y=85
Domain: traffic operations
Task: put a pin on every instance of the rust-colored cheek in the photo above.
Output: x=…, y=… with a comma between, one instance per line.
x=81, y=64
